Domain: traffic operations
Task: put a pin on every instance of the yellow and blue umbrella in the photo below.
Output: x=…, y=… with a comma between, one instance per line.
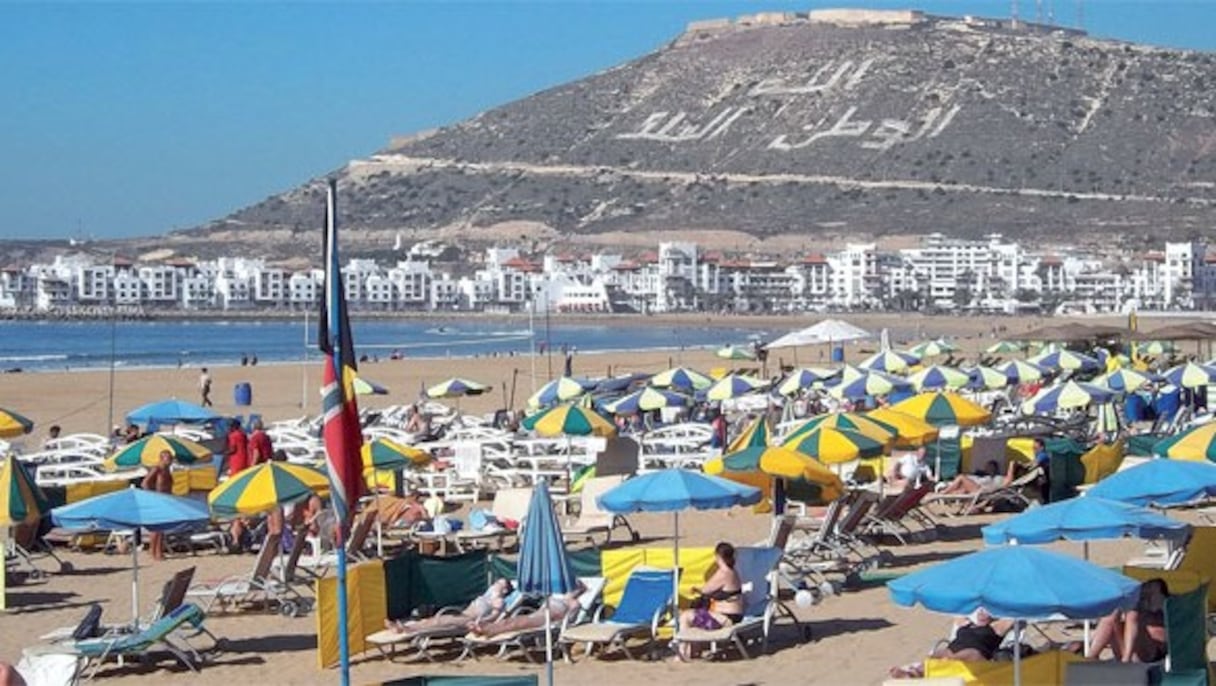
x=1124, y=380
x=855, y=385
x=569, y=420
x=910, y=431
x=1065, y=396
x=1191, y=375
x=13, y=424
x=1196, y=444
x=1021, y=371
x=1067, y=360
x=833, y=446
x=21, y=501
x=937, y=377
x=850, y=421
x=265, y=486
x=733, y=386
x=681, y=378
x=1004, y=348
x=803, y=378
x=933, y=348
x=646, y=400
x=889, y=361
x=456, y=388
x=986, y=378
x=146, y=452
x=560, y=390
x=944, y=409
x=364, y=386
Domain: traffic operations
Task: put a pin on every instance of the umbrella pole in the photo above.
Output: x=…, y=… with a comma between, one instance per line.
x=675, y=583
x=1085, y=625
x=548, y=644
x=379, y=521
x=135, y=578
x=1017, y=652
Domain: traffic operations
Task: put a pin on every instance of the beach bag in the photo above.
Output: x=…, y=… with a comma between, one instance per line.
x=482, y=520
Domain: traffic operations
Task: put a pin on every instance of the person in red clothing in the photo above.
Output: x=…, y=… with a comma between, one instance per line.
x=260, y=448
x=238, y=449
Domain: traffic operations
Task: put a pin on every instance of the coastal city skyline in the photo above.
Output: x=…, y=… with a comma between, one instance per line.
x=238, y=114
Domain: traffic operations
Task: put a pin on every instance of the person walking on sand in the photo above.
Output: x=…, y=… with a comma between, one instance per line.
x=159, y=480
x=204, y=387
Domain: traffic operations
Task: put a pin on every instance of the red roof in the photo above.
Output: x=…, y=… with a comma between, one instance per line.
x=122, y=261
x=1052, y=260
x=815, y=258
x=712, y=257
x=180, y=262
x=649, y=257
x=735, y=264
x=520, y=264
x=625, y=266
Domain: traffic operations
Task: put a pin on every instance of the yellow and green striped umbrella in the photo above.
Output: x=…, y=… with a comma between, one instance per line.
x=805, y=478
x=757, y=434
x=935, y=377
x=146, y=452
x=850, y=421
x=833, y=446
x=944, y=409
x=385, y=455
x=455, y=388
x=1197, y=444
x=13, y=425
x=265, y=486
x=912, y=432
x=21, y=501
x=569, y=420
x=733, y=386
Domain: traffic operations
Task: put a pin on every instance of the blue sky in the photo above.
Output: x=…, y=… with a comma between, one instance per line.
x=135, y=119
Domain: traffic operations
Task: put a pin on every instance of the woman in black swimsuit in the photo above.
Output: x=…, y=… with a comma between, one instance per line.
x=1138, y=634
x=976, y=639
x=721, y=601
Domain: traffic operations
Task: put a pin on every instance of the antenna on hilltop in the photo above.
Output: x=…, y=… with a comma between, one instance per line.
x=1051, y=12
x=1038, y=11
x=1080, y=14
x=1013, y=13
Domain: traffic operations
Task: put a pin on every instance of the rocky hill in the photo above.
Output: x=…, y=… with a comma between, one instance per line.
x=848, y=123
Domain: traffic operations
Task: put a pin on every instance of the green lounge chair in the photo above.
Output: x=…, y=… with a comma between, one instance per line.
x=164, y=632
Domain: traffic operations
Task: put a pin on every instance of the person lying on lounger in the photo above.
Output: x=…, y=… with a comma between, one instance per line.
x=976, y=639
x=989, y=479
x=485, y=608
x=559, y=607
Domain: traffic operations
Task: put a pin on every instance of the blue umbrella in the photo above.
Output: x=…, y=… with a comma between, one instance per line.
x=131, y=508
x=1083, y=519
x=1017, y=582
x=171, y=412
x=544, y=568
x=1159, y=482
x=672, y=490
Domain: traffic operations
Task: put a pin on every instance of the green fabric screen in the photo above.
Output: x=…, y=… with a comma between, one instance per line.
x=413, y=580
x=584, y=562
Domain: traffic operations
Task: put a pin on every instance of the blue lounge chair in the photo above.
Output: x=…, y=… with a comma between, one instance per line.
x=644, y=604
x=166, y=632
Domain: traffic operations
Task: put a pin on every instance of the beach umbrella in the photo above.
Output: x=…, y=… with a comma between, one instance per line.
x=1021, y=371
x=1123, y=380
x=13, y=425
x=131, y=508
x=21, y=501
x=383, y=454
x=1083, y=519
x=986, y=378
x=1065, y=396
x=1159, y=482
x=1191, y=375
x=855, y=386
x=735, y=352
x=171, y=411
x=850, y=421
x=910, y=431
x=368, y=387
x=833, y=446
x=569, y=420
x=681, y=378
x=933, y=348
x=1067, y=360
x=674, y=490
x=560, y=390
x=456, y=388
x=1020, y=583
x=544, y=568
x=1198, y=444
x=804, y=477
x=757, y=433
x=146, y=452
x=889, y=361
x=830, y=331
x=733, y=386
x=938, y=377
x=1156, y=348
x=646, y=400
x=802, y=379
x=265, y=486
x=944, y=409
x=1004, y=348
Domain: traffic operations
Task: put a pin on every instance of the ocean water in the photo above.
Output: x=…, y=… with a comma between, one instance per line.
x=58, y=345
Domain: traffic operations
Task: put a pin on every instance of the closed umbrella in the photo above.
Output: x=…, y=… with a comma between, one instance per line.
x=1065, y=396
x=646, y=400
x=1197, y=444
x=131, y=508
x=544, y=568
x=733, y=386
x=1159, y=482
x=673, y=490
x=266, y=486
x=13, y=425
x=171, y=411
x=937, y=377
x=944, y=409
x=146, y=452
x=681, y=378
x=889, y=361
x=21, y=501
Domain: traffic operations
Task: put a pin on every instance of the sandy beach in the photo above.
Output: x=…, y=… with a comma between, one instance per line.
x=856, y=636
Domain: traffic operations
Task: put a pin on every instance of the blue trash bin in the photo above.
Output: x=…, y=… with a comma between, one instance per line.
x=242, y=394
x=838, y=353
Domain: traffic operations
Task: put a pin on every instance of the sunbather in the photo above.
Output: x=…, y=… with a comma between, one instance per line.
x=976, y=639
x=1138, y=634
x=721, y=598
x=910, y=469
x=485, y=608
x=9, y=676
x=987, y=480
x=559, y=607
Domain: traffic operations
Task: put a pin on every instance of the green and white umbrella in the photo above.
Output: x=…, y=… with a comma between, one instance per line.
x=933, y=348
x=736, y=352
x=1004, y=348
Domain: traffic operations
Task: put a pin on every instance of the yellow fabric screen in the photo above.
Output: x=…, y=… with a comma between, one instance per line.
x=87, y=489
x=366, y=607
x=617, y=564
x=1044, y=668
x=1102, y=460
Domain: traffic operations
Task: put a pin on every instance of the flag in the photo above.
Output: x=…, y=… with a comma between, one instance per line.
x=341, y=431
